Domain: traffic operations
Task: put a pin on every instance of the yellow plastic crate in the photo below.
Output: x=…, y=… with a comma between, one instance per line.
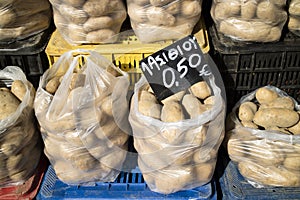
x=126, y=53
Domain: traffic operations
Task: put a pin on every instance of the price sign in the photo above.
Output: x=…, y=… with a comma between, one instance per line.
x=175, y=68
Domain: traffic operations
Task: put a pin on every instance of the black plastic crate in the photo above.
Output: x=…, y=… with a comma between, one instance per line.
x=28, y=54
x=247, y=66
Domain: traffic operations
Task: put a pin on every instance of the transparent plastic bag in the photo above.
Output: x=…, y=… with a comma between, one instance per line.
x=265, y=157
x=251, y=20
x=84, y=123
x=23, y=18
x=180, y=155
x=294, y=17
x=155, y=20
x=89, y=21
x=20, y=144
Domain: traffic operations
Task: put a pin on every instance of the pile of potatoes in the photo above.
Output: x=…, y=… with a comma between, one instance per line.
x=156, y=20
x=20, y=144
x=250, y=20
x=177, y=150
x=89, y=21
x=294, y=17
x=265, y=142
x=23, y=18
x=83, y=142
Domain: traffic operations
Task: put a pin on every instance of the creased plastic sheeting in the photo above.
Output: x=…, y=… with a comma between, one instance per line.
x=294, y=17
x=264, y=157
x=84, y=129
x=156, y=20
x=20, y=144
x=23, y=18
x=181, y=155
x=250, y=21
x=89, y=21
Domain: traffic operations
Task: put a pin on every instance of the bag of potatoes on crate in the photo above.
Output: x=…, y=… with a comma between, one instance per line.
x=177, y=139
x=89, y=21
x=23, y=18
x=263, y=138
x=20, y=141
x=250, y=20
x=157, y=20
x=294, y=17
x=82, y=109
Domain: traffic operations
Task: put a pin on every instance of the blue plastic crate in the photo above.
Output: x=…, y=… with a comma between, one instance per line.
x=126, y=186
x=234, y=186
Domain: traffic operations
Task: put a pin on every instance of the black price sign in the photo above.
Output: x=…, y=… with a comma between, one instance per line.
x=175, y=68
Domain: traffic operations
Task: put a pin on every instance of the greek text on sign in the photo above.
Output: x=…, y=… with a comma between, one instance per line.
x=175, y=68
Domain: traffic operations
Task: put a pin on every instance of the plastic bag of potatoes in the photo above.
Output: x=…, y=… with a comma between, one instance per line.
x=89, y=21
x=294, y=17
x=263, y=138
x=23, y=18
x=82, y=109
x=156, y=20
x=177, y=139
x=250, y=20
x=20, y=142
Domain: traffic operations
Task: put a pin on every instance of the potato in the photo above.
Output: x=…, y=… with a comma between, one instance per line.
x=292, y=162
x=294, y=23
x=280, y=117
x=270, y=13
x=144, y=95
x=150, y=109
x=249, y=124
x=280, y=102
x=73, y=137
x=52, y=84
x=192, y=105
x=74, y=15
x=137, y=13
x=295, y=129
x=170, y=180
x=265, y=95
x=175, y=97
x=247, y=111
x=172, y=112
x=225, y=10
x=204, y=172
x=94, y=8
x=200, y=90
x=294, y=8
x=191, y=8
x=204, y=155
x=248, y=9
x=196, y=136
x=101, y=36
x=174, y=7
x=159, y=3
x=271, y=175
x=83, y=160
x=210, y=100
x=158, y=16
x=275, y=128
x=77, y=80
x=106, y=106
x=96, y=23
x=18, y=89
x=250, y=30
x=8, y=16
x=9, y=103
